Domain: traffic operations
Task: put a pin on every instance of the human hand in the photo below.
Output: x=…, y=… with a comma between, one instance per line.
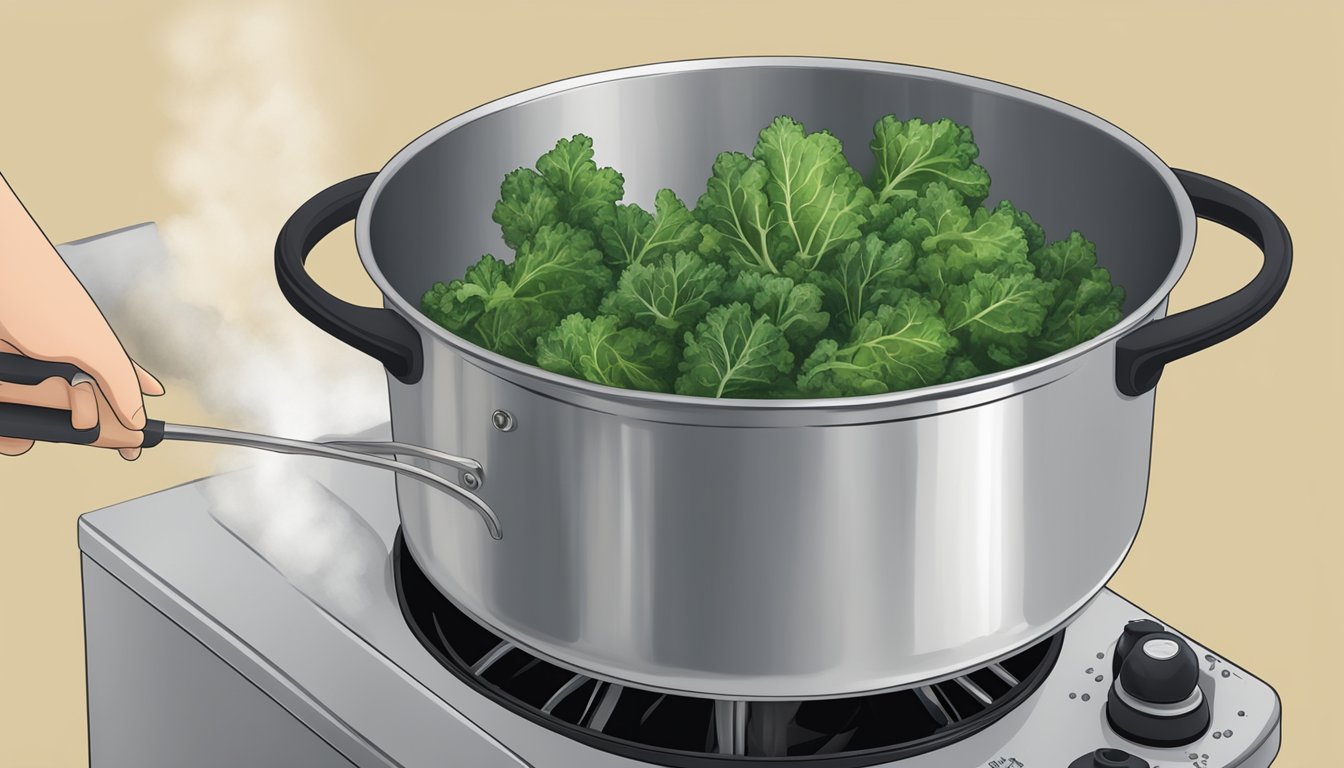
x=46, y=314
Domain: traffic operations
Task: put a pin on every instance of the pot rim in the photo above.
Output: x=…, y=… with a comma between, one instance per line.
x=536, y=378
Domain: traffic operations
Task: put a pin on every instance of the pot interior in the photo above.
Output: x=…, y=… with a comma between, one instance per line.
x=432, y=219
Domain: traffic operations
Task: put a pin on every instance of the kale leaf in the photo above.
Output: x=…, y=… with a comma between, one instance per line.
x=816, y=198
x=586, y=194
x=633, y=236
x=601, y=351
x=792, y=276
x=737, y=222
x=672, y=294
x=526, y=204
x=866, y=275
x=896, y=347
x=912, y=153
x=794, y=308
x=1085, y=301
x=734, y=353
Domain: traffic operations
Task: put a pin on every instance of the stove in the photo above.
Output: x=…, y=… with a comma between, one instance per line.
x=271, y=617
x=209, y=642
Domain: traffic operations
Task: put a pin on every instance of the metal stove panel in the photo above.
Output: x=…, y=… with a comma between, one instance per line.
x=158, y=699
x=359, y=679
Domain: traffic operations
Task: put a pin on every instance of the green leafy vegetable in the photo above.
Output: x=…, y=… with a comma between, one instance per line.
x=511, y=328
x=526, y=204
x=601, y=351
x=1085, y=302
x=867, y=275
x=998, y=313
x=1084, y=312
x=794, y=308
x=791, y=277
x=736, y=214
x=1035, y=236
x=560, y=269
x=960, y=367
x=506, y=306
x=634, y=236
x=458, y=304
x=587, y=195
x=816, y=198
x=733, y=353
x=913, y=153
x=672, y=294
x=963, y=243
x=893, y=348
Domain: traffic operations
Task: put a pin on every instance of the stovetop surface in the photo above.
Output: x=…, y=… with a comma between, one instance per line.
x=296, y=591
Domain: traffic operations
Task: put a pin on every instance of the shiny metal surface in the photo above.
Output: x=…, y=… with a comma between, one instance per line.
x=367, y=453
x=394, y=448
x=765, y=549
x=786, y=562
x=352, y=672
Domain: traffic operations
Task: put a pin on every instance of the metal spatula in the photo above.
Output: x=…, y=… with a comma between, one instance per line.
x=52, y=425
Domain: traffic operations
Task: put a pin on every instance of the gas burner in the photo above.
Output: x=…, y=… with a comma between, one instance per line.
x=687, y=731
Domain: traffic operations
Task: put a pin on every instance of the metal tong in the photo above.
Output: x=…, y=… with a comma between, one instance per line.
x=31, y=422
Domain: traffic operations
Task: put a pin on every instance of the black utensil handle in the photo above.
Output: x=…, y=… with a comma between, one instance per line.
x=49, y=425
x=17, y=369
x=380, y=333
x=1141, y=355
x=33, y=422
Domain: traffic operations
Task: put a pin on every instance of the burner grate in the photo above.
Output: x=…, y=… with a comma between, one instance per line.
x=691, y=732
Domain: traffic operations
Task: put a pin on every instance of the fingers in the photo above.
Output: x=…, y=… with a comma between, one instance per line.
x=52, y=393
x=88, y=407
x=112, y=433
x=83, y=402
x=10, y=446
x=148, y=384
x=119, y=383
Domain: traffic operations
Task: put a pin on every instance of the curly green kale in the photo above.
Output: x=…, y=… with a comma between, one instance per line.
x=794, y=308
x=913, y=153
x=787, y=208
x=632, y=236
x=505, y=307
x=603, y=352
x=867, y=275
x=896, y=347
x=671, y=294
x=792, y=276
x=734, y=353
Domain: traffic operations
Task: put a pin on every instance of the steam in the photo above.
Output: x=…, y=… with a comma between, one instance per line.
x=307, y=532
x=250, y=145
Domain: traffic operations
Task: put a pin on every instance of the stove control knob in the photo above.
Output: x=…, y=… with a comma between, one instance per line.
x=1133, y=631
x=1110, y=758
x=1156, y=700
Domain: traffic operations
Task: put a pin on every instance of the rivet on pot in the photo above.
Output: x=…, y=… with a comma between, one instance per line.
x=471, y=481
x=503, y=421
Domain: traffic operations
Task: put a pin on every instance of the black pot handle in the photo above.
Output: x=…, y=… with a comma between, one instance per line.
x=379, y=333
x=1141, y=355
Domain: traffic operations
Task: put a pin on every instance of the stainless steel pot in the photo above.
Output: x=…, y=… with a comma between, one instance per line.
x=763, y=549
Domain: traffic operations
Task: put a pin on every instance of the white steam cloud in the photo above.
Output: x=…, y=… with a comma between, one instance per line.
x=250, y=145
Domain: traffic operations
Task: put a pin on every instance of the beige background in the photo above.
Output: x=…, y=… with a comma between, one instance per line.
x=1241, y=541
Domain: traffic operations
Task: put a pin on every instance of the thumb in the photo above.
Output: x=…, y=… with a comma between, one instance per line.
x=117, y=380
